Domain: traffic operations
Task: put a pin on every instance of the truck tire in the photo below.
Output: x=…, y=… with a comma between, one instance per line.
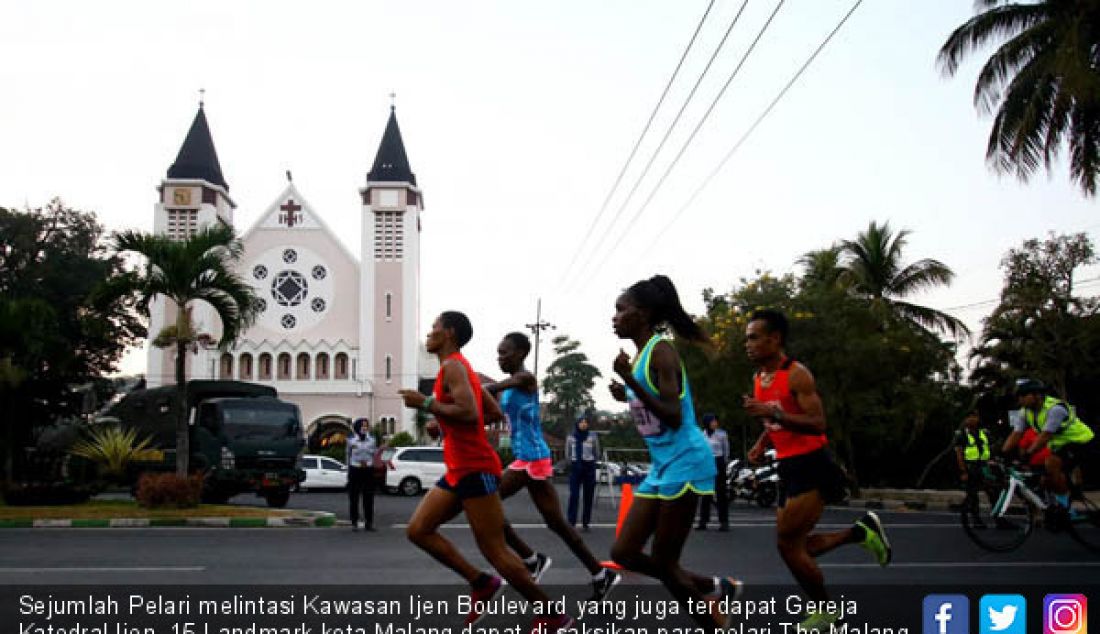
x=277, y=498
x=409, y=486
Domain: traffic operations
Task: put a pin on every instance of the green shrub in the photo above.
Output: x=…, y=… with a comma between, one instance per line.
x=402, y=439
x=113, y=448
x=167, y=490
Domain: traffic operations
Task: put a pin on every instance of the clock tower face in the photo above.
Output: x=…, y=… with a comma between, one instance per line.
x=295, y=288
x=181, y=196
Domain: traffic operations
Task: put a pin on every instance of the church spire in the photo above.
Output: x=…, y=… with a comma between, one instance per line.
x=391, y=163
x=197, y=157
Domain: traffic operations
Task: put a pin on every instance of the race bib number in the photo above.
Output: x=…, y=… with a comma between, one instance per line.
x=646, y=421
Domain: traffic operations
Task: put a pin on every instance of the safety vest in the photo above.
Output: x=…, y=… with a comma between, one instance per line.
x=1073, y=429
x=976, y=448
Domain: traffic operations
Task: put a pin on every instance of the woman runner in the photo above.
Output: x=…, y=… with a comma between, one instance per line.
x=656, y=389
x=519, y=398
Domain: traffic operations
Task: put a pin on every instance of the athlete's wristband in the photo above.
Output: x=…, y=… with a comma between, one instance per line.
x=778, y=414
x=426, y=406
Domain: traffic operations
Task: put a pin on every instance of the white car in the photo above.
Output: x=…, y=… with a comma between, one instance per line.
x=410, y=470
x=323, y=472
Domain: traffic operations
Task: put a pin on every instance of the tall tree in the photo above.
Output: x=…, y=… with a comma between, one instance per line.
x=199, y=269
x=1042, y=82
x=1041, y=328
x=568, y=383
x=873, y=268
x=54, y=330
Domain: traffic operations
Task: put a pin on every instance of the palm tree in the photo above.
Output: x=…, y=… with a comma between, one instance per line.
x=200, y=268
x=873, y=269
x=1043, y=83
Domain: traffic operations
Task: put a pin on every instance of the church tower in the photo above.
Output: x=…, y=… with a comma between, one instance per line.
x=389, y=294
x=194, y=195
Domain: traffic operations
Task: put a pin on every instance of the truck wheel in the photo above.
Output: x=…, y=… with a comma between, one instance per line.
x=277, y=498
x=409, y=486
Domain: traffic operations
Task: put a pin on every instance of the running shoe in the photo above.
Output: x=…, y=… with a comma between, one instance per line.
x=729, y=590
x=820, y=622
x=551, y=624
x=874, y=538
x=603, y=587
x=541, y=565
x=485, y=593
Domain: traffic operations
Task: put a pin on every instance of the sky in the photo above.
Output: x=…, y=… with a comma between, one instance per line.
x=517, y=117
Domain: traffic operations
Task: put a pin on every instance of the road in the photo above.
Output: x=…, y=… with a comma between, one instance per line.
x=930, y=548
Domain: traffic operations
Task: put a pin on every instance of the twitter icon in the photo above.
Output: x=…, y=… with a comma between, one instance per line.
x=1002, y=614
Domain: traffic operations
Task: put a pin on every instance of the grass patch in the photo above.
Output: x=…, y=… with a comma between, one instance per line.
x=110, y=509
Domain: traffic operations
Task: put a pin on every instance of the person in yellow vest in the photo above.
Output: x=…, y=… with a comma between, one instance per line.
x=972, y=454
x=1056, y=422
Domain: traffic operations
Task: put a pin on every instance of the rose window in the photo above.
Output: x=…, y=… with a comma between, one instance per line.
x=259, y=272
x=288, y=321
x=261, y=305
x=319, y=272
x=290, y=256
x=289, y=288
x=317, y=304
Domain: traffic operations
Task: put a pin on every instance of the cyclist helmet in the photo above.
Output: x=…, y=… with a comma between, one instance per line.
x=1029, y=386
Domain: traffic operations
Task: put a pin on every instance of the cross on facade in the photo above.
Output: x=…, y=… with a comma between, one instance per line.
x=291, y=217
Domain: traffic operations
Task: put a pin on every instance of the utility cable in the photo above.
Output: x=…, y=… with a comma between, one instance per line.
x=638, y=143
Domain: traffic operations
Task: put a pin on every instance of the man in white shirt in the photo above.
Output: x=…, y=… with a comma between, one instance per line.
x=720, y=447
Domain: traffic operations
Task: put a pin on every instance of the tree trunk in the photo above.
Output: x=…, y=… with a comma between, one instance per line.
x=183, y=445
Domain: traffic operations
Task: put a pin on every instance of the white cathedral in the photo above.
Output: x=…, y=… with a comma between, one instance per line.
x=337, y=335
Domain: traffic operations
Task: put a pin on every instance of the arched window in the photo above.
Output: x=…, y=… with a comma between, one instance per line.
x=341, y=369
x=302, y=372
x=265, y=367
x=322, y=366
x=284, y=367
x=389, y=368
x=225, y=368
x=245, y=366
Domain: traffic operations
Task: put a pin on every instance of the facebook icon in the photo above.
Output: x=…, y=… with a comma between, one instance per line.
x=946, y=614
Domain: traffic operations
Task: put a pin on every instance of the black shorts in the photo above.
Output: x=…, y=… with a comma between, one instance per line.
x=1075, y=455
x=472, y=485
x=810, y=471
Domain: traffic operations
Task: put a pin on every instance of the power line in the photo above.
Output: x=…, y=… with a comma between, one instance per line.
x=756, y=124
x=668, y=132
x=638, y=143
x=986, y=302
x=687, y=143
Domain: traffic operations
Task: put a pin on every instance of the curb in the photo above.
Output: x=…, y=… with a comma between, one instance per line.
x=307, y=519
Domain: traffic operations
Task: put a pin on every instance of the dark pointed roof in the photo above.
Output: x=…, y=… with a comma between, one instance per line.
x=197, y=158
x=391, y=163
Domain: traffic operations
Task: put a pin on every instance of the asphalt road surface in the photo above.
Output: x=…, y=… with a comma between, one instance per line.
x=929, y=548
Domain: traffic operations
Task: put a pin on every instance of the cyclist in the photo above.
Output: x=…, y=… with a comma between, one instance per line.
x=1058, y=427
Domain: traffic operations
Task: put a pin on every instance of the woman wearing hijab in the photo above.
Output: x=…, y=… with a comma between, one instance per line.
x=361, y=447
x=582, y=447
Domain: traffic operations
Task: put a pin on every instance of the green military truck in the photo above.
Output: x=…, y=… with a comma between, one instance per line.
x=242, y=436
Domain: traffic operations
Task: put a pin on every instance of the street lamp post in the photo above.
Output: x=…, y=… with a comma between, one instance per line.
x=536, y=330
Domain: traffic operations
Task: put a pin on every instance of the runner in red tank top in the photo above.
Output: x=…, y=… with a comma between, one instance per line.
x=473, y=475
x=785, y=399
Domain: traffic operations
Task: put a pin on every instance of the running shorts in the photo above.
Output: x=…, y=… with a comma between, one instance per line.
x=536, y=469
x=808, y=472
x=472, y=485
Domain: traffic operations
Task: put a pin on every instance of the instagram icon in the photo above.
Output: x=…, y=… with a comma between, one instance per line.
x=1065, y=614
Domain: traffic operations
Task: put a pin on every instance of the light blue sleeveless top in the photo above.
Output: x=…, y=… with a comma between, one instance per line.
x=522, y=410
x=678, y=455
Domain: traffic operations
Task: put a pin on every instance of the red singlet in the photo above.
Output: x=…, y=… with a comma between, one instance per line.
x=787, y=443
x=466, y=449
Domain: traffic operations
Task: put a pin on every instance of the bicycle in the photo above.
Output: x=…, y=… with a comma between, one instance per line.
x=1022, y=503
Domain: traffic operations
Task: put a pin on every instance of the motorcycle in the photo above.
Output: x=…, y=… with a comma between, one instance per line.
x=759, y=484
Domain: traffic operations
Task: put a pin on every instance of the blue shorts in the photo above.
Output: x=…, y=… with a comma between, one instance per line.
x=673, y=490
x=472, y=485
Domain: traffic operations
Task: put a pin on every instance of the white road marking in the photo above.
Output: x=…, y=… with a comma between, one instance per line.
x=105, y=569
